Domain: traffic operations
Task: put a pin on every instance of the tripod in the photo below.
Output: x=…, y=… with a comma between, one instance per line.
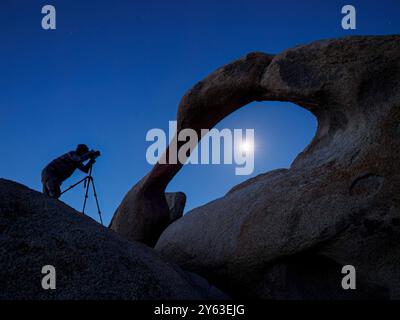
x=87, y=181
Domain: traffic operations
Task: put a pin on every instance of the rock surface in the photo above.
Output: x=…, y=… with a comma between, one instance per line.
x=91, y=261
x=287, y=233
x=176, y=204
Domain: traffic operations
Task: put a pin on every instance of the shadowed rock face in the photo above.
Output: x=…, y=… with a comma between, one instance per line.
x=91, y=261
x=338, y=203
x=176, y=203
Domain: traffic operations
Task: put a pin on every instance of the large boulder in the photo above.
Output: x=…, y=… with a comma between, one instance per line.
x=91, y=262
x=287, y=233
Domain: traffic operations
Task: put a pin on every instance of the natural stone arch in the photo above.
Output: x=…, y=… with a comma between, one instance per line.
x=332, y=79
x=339, y=199
x=144, y=213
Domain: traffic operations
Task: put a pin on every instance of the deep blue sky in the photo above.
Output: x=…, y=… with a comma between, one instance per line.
x=115, y=69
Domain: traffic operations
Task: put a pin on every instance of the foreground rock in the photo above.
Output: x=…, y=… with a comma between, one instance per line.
x=91, y=261
x=287, y=233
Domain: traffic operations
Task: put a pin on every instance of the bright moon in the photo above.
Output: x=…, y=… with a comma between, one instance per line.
x=246, y=147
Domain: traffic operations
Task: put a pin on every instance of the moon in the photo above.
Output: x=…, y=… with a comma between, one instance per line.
x=247, y=147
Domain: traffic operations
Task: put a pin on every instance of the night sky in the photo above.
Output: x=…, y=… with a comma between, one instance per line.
x=112, y=70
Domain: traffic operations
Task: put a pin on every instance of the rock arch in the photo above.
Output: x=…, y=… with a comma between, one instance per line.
x=144, y=213
x=312, y=205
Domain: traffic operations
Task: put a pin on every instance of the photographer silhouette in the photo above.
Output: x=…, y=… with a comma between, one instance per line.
x=60, y=169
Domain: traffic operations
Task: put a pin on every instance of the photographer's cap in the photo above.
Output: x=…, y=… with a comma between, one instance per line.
x=82, y=148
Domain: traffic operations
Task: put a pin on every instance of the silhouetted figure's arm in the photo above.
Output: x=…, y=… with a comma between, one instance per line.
x=81, y=159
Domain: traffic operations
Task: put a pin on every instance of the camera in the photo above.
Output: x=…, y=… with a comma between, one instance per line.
x=94, y=154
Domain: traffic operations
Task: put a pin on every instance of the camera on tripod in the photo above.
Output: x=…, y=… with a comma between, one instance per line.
x=94, y=154
x=88, y=180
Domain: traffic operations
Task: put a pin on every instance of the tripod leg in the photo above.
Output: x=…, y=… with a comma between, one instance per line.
x=97, y=202
x=74, y=185
x=86, y=193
